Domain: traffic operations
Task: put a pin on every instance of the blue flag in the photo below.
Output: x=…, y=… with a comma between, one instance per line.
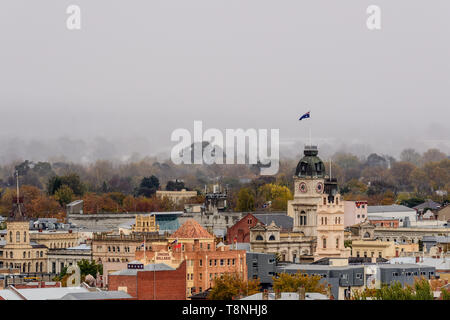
x=306, y=115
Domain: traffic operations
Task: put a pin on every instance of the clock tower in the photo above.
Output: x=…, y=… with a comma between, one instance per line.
x=309, y=183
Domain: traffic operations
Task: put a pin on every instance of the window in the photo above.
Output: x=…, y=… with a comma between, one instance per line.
x=259, y=237
x=200, y=276
x=17, y=236
x=272, y=238
x=24, y=254
x=210, y=276
x=215, y=262
x=10, y=236
x=359, y=276
x=395, y=274
x=228, y=262
x=221, y=262
x=357, y=254
x=337, y=243
x=233, y=261
x=200, y=262
x=209, y=246
x=271, y=261
x=182, y=247
x=324, y=243
x=118, y=249
x=358, y=216
x=210, y=262
x=379, y=254
x=24, y=236
x=1, y=253
x=249, y=221
x=365, y=254
x=344, y=276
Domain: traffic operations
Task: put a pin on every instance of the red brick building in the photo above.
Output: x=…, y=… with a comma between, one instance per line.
x=153, y=282
x=241, y=229
x=204, y=260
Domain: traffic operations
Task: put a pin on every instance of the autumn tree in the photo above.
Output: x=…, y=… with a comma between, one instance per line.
x=421, y=290
x=278, y=195
x=433, y=155
x=411, y=156
x=229, y=286
x=286, y=282
x=245, y=201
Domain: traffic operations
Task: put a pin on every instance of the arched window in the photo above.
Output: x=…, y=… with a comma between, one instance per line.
x=11, y=255
x=272, y=238
x=40, y=269
x=17, y=236
x=324, y=243
x=366, y=235
x=259, y=237
x=37, y=267
x=10, y=236
x=337, y=243
x=24, y=236
x=24, y=254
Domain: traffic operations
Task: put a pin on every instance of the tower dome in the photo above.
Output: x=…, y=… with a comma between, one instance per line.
x=310, y=165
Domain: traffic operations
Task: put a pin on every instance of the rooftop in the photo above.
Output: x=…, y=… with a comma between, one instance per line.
x=288, y=296
x=97, y=295
x=148, y=267
x=389, y=208
x=191, y=229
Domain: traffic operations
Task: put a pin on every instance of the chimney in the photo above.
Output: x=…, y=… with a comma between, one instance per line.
x=301, y=293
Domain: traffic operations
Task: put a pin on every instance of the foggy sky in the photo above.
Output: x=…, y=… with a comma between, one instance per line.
x=137, y=70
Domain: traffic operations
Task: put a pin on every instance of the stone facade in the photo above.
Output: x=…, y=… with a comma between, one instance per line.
x=145, y=223
x=18, y=252
x=330, y=229
x=291, y=246
x=176, y=196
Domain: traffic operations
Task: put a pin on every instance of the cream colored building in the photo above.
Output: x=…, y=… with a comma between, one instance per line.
x=291, y=246
x=309, y=182
x=56, y=239
x=17, y=251
x=176, y=196
x=145, y=223
x=330, y=228
x=382, y=249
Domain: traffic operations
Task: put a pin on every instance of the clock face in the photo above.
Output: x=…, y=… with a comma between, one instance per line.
x=319, y=187
x=302, y=187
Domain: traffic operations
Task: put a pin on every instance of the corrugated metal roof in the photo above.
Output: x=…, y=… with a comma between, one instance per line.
x=97, y=295
x=389, y=208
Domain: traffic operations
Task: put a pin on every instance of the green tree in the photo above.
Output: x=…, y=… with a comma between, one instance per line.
x=64, y=195
x=229, y=286
x=148, y=186
x=246, y=201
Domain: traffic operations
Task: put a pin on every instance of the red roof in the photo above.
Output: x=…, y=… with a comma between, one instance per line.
x=191, y=229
